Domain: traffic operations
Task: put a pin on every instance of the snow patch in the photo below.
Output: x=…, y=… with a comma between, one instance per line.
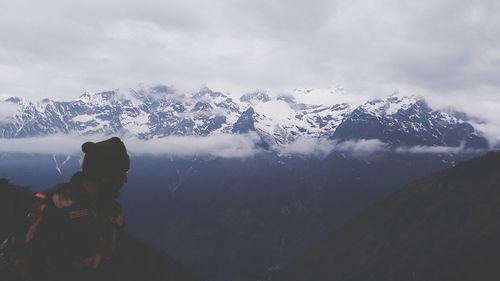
x=84, y=118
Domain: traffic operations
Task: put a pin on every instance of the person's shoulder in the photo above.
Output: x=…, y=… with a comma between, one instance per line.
x=60, y=196
x=70, y=193
x=63, y=199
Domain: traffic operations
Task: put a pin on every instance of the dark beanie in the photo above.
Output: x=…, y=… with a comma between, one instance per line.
x=105, y=158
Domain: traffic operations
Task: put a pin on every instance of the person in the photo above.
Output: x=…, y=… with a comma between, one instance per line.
x=77, y=224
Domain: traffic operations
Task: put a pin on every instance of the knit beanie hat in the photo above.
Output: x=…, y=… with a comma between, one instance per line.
x=105, y=158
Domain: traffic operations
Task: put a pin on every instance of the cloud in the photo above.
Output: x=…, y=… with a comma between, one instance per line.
x=490, y=130
x=309, y=146
x=224, y=146
x=484, y=110
x=55, y=144
x=60, y=49
x=323, y=147
x=436, y=150
x=362, y=147
x=7, y=110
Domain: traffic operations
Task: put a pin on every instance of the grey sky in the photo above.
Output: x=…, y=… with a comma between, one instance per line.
x=447, y=50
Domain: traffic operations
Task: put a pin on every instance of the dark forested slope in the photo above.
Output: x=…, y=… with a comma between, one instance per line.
x=443, y=227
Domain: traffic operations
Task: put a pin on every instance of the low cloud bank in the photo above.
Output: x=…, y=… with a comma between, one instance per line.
x=224, y=146
x=308, y=146
x=362, y=147
x=55, y=144
x=323, y=147
x=365, y=147
x=491, y=132
x=437, y=149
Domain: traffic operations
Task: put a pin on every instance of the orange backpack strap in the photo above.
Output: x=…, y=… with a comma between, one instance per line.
x=41, y=196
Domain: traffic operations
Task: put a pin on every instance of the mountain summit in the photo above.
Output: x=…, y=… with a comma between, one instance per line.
x=160, y=111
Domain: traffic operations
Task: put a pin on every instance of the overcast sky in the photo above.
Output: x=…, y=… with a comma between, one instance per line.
x=448, y=50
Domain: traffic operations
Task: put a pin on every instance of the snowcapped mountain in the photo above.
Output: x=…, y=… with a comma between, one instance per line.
x=155, y=112
x=408, y=121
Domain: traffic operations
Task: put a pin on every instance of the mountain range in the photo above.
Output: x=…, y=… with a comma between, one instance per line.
x=243, y=218
x=160, y=111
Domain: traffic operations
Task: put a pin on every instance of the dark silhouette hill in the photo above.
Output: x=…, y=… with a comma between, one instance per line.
x=442, y=227
x=133, y=260
x=239, y=219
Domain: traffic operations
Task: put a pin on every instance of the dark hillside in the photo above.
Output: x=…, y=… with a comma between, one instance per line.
x=134, y=260
x=443, y=227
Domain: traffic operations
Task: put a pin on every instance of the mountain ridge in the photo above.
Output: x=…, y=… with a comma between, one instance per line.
x=160, y=111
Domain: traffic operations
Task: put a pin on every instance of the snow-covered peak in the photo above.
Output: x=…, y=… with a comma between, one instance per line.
x=15, y=100
x=117, y=97
x=206, y=92
x=332, y=90
x=256, y=97
x=324, y=96
x=93, y=98
x=159, y=111
x=273, y=113
x=208, y=95
x=149, y=93
x=397, y=102
x=390, y=105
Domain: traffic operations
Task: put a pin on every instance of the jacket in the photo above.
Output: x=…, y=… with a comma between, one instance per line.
x=73, y=237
